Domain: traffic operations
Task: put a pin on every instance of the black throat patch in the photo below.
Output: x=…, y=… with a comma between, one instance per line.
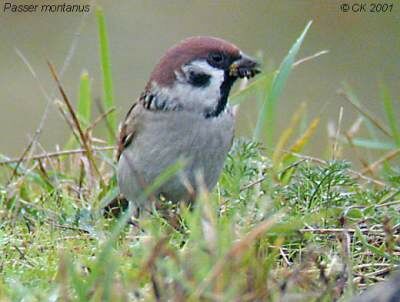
x=224, y=89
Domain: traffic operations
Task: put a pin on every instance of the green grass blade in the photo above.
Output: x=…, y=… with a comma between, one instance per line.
x=85, y=100
x=108, y=90
x=376, y=251
x=164, y=176
x=390, y=114
x=261, y=82
x=374, y=144
x=355, y=102
x=84, y=107
x=266, y=118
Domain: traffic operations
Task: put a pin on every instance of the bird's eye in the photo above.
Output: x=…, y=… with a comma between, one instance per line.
x=216, y=57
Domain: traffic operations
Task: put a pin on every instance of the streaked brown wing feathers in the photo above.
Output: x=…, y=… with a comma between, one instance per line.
x=128, y=129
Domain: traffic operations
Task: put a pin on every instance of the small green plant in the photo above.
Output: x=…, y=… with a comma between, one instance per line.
x=320, y=187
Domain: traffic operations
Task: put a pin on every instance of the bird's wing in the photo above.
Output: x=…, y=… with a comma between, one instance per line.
x=129, y=127
x=146, y=102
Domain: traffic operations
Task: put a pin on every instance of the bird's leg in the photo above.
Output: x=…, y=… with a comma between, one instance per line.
x=116, y=207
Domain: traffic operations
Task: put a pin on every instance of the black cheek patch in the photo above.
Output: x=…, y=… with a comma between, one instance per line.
x=199, y=79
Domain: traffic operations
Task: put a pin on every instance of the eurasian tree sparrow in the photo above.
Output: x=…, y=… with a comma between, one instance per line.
x=183, y=113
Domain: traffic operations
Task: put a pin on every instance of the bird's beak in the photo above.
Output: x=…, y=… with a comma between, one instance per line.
x=244, y=67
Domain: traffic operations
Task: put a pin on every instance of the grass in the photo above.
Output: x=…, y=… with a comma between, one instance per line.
x=266, y=119
x=280, y=225
x=108, y=89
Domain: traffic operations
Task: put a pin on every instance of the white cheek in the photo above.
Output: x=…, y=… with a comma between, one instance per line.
x=197, y=98
x=206, y=97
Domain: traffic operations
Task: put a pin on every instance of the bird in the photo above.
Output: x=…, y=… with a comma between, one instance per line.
x=182, y=114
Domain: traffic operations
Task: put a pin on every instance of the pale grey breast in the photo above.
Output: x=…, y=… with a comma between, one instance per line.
x=203, y=142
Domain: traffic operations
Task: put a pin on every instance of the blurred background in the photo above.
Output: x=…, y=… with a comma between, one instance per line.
x=363, y=49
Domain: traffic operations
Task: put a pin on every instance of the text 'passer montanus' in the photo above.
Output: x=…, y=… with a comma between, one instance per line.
x=182, y=114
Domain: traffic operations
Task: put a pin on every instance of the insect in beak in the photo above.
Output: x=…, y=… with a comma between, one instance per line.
x=244, y=67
